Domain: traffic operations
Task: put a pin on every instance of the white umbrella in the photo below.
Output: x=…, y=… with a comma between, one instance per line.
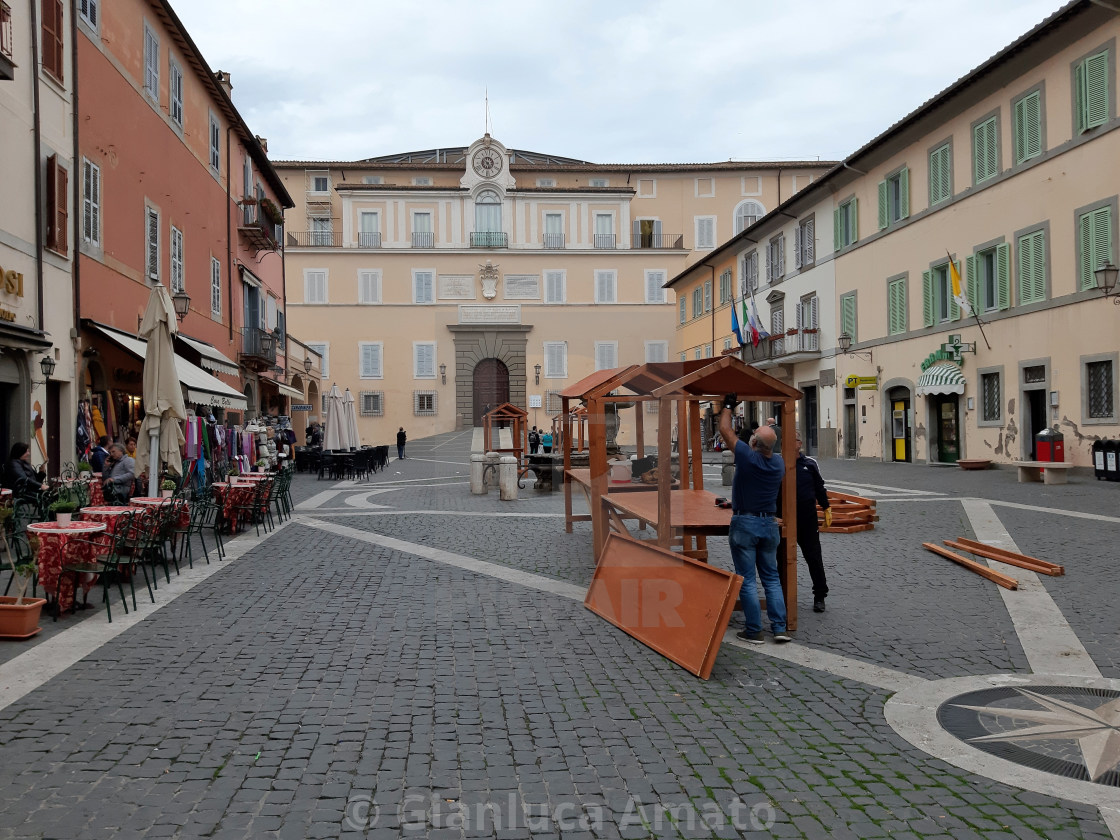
x=335, y=433
x=351, y=413
x=160, y=435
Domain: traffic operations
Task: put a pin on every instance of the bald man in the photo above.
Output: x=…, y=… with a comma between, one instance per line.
x=759, y=470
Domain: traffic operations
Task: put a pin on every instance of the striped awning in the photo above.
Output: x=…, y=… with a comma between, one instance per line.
x=945, y=378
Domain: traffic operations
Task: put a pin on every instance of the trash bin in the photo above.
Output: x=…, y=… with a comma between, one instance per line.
x=1112, y=460
x=1050, y=445
x=1098, y=458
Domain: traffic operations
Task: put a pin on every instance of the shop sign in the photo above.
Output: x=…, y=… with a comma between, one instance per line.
x=864, y=383
x=950, y=351
x=13, y=281
x=301, y=407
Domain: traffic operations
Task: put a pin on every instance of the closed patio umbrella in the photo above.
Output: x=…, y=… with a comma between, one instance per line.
x=161, y=434
x=335, y=433
x=351, y=413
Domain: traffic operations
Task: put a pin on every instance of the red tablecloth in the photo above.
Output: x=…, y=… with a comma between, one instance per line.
x=108, y=515
x=96, y=491
x=5, y=498
x=147, y=502
x=232, y=496
x=57, y=547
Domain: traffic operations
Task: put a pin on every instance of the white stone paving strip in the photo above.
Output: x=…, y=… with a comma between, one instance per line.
x=1050, y=644
x=317, y=501
x=435, y=461
x=30, y=670
x=328, y=513
x=1076, y=514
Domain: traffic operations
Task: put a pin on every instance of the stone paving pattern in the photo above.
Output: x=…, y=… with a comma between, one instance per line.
x=318, y=681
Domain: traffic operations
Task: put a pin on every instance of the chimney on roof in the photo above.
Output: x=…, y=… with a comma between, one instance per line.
x=224, y=80
x=264, y=143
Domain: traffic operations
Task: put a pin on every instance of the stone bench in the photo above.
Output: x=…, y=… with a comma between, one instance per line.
x=1048, y=472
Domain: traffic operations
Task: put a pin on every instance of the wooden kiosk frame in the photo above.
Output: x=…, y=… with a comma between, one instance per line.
x=687, y=515
x=518, y=420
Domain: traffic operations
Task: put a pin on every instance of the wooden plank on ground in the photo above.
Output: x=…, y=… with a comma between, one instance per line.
x=847, y=529
x=984, y=572
x=1040, y=568
x=1056, y=569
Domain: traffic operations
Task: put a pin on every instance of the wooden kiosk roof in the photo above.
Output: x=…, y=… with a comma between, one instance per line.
x=505, y=411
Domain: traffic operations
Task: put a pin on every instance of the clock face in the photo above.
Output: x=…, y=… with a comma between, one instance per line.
x=487, y=163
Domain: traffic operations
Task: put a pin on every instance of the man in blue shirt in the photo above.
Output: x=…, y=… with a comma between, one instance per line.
x=759, y=471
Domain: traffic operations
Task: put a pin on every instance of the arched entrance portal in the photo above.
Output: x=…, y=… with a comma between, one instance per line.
x=491, y=386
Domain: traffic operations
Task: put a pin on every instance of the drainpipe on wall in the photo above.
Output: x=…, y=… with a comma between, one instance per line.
x=712, y=269
x=229, y=239
x=37, y=135
x=76, y=182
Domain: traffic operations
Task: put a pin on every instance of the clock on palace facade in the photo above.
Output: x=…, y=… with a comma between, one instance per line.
x=487, y=162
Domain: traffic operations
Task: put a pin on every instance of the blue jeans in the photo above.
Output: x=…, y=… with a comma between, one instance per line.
x=754, y=545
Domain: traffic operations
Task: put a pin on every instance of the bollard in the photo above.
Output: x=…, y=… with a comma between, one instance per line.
x=491, y=471
x=728, y=467
x=507, y=485
x=478, y=488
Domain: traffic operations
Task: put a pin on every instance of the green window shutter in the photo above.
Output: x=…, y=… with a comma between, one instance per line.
x=946, y=184
x=848, y=315
x=970, y=280
x=1038, y=266
x=991, y=161
x=1079, y=96
x=904, y=193
x=836, y=229
x=929, y=301
x=1028, y=127
x=896, y=307
x=939, y=174
x=1025, y=248
x=1102, y=239
x=1085, y=251
x=954, y=308
x=853, y=209
x=1096, y=90
x=978, y=154
x=884, y=216
x=1003, y=278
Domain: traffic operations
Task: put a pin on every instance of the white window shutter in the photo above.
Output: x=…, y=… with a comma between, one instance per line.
x=808, y=243
x=797, y=246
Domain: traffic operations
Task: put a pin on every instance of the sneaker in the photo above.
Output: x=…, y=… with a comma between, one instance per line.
x=782, y=637
x=818, y=605
x=750, y=638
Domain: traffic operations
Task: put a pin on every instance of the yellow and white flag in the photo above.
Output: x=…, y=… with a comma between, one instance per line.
x=958, y=292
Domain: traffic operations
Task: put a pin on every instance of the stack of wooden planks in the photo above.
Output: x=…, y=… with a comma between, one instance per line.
x=850, y=514
x=1002, y=555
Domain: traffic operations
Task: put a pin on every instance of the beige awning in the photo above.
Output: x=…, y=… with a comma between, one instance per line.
x=212, y=358
x=287, y=390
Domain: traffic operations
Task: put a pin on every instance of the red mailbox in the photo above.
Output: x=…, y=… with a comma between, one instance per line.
x=1050, y=445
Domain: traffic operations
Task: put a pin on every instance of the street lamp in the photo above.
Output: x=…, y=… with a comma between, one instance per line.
x=845, y=342
x=443, y=373
x=537, y=374
x=182, y=302
x=1106, y=280
x=47, y=365
x=307, y=364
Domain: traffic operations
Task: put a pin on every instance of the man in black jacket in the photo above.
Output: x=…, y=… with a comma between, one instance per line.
x=810, y=493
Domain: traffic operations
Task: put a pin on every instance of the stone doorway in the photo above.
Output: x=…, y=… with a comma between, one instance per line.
x=491, y=387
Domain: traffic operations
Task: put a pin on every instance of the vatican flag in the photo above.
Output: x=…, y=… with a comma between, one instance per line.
x=958, y=293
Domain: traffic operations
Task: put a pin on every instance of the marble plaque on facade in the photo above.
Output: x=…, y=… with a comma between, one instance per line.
x=456, y=287
x=523, y=287
x=490, y=314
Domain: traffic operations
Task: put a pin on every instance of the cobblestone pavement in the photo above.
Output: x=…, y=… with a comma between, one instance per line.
x=326, y=686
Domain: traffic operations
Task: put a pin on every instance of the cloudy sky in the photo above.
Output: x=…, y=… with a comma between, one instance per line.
x=602, y=80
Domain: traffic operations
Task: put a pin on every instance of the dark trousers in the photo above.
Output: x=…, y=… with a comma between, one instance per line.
x=809, y=541
x=400, y=450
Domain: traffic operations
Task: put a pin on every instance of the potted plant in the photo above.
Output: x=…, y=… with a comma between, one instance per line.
x=62, y=510
x=19, y=616
x=167, y=488
x=85, y=469
x=262, y=464
x=231, y=473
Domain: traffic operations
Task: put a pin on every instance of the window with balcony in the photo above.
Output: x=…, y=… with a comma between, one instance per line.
x=646, y=233
x=488, y=221
x=322, y=232
x=553, y=230
x=604, y=230
x=422, y=235
x=808, y=326
x=369, y=229
x=777, y=331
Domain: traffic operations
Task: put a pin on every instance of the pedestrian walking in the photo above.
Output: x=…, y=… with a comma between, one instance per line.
x=534, y=441
x=759, y=470
x=773, y=424
x=546, y=441
x=401, y=438
x=810, y=493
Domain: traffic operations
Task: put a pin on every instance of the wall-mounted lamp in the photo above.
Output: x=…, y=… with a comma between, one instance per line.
x=1106, y=280
x=537, y=374
x=182, y=302
x=47, y=364
x=443, y=373
x=307, y=364
x=845, y=342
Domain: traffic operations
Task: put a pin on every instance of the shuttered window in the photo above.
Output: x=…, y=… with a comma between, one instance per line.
x=57, y=213
x=750, y=273
x=705, y=232
x=606, y=287
x=324, y=351
x=683, y=306
x=1027, y=125
x=175, y=93
x=848, y=315
x=314, y=286
x=554, y=291
x=725, y=287
x=937, y=296
x=1090, y=79
x=606, y=355
x=985, y=150
x=151, y=63
x=940, y=174
x=988, y=279
x=776, y=259
x=176, y=283
x=151, y=262
x=707, y=295
x=845, y=224
x=215, y=144
x=369, y=360
x=556, y=359
x=657, y=351
x=52, y=28
x=697, y=301
x=894, y=198
x=804, y=243
x=1094, y=245
x=215, y=287
x=654, y=282
x=423, y=287
x=424, y=359
x=896, y=306
x=91, y=203
x=369, y=287
x=88, y=10
x=1032, y=267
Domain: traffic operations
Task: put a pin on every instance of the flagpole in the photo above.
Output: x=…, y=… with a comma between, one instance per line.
x=971, y=306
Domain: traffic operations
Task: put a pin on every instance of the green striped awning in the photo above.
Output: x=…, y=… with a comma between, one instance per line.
x=945, y=378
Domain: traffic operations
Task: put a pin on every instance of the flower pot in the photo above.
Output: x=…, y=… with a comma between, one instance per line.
x=167, y=494
x=63, y=518
x=85, y=474
x=19, y=621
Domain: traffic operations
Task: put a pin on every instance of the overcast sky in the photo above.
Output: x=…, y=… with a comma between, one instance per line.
x=601, y=80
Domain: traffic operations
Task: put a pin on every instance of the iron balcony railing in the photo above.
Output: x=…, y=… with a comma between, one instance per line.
x=258, y=344
x=315, y=239
x=808, y=340
x=369, y=239
x=604, y=240
x=657, y=240
x=423, y=239
x=554, y=240
x=489, y=239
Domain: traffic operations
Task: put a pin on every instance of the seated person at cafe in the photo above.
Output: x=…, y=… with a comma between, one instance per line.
x=118, y=475
x=19, y=476
x=99, y=454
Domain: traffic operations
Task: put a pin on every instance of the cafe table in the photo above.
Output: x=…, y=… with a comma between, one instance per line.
x=150, y=502
x=5, y=498
x=231, y=496
x=64, y=544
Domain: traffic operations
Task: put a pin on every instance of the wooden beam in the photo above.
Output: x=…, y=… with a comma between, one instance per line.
x=787, y=566
x=597, y=434
x=1011, y=558
x=664, y=472
x=984, y=572
x=640, y=428
x=697, y=451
